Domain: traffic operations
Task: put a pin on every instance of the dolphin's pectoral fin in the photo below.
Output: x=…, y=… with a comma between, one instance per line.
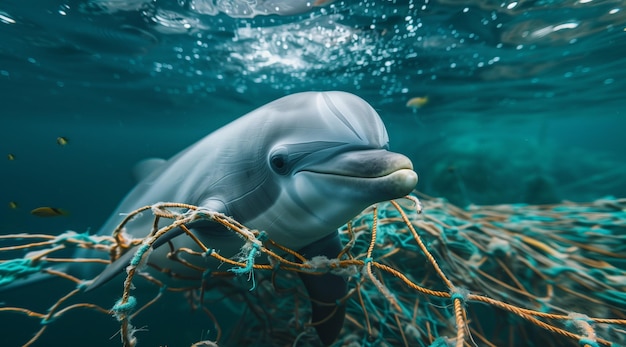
x=325, y=290
x=120, y=264
x=113, y=269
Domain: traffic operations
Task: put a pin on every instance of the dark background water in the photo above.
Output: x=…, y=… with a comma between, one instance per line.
x=525, y=103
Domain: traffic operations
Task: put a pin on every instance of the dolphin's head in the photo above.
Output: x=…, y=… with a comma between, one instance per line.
x=330, y=155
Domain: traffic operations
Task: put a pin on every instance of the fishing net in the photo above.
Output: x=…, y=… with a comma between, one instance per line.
x=503, y=275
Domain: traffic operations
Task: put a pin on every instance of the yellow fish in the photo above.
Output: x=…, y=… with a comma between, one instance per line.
x=11, y=156
x=417, y=102
x=48, y=212
x=12, y=205
x=62, y=141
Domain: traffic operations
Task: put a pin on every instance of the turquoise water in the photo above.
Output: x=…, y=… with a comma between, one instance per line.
x=524, y=100
x=520, y=95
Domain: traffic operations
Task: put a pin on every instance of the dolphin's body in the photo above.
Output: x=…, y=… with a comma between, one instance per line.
x=297, y=168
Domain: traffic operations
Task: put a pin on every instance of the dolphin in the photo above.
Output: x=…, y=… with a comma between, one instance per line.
x=297, y=168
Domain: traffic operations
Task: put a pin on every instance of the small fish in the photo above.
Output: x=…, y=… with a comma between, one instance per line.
x=11, y=156
x=48, y=212
x=417, y=102
x=12, y=205
x=62, y=141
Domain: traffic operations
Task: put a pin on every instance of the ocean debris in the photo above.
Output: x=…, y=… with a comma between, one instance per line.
x=549, y=275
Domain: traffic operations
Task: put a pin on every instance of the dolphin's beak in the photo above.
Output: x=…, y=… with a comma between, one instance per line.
x=385, y=175
x=363, y=163
x=325, y=290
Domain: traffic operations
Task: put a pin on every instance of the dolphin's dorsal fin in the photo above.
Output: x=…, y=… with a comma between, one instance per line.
x=145, y=167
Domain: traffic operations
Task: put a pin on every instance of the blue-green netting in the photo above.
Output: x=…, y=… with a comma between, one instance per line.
x=563, y=259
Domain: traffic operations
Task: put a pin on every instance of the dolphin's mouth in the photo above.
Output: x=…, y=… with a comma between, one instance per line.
x=373, y=163
x=372, y=175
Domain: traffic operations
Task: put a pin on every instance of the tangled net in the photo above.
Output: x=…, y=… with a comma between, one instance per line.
x=505, y=275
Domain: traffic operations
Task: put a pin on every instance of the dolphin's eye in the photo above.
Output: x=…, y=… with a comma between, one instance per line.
x=279, y=161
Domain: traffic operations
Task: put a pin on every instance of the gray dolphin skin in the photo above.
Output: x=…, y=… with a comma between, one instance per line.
x=297, y=168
